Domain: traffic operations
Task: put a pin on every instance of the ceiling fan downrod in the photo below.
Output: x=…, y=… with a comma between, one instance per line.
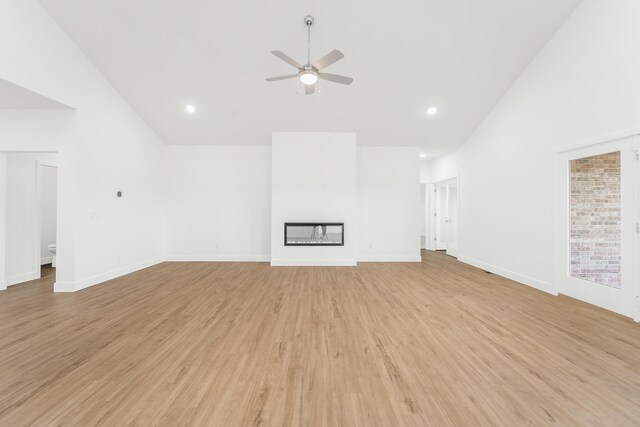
x=308, y=20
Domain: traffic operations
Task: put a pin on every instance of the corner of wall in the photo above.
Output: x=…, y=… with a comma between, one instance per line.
x=64, y=287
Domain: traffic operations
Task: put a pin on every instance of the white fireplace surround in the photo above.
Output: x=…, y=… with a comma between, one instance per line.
x=320, y=177
x=313, y=178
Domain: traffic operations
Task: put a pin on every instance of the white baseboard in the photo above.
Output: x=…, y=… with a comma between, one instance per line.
x=103, y=277
x=46, y=260
x=520, y=278
x=64, y=287
x=21, y=278
x=292, y=262
x=3, y=285
x=389, y=258
x=339, y=262
x=217, y=258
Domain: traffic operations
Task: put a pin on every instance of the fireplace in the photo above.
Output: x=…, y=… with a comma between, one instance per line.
x=314, y=234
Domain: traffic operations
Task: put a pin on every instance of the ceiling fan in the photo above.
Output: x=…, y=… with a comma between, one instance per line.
x=309, y=74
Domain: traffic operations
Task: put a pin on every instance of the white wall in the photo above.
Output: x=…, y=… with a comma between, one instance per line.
x=313, y=179
x=109, y=148
x=218, y=200
x=22, y=262
x=583, y=85
x=35, y=130
x=218, y=203
x=105, y=147
x=48, y=210
x=32, y=130
x=389, y=220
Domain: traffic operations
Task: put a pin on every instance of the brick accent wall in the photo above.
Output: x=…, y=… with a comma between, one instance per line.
x=596, y=209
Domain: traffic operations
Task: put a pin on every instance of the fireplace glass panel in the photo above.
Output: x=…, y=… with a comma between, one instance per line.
x=313, y=234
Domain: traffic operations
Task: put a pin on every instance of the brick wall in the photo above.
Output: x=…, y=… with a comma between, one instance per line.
x=596, y=219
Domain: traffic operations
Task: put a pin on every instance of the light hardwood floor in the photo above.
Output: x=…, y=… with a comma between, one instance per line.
x=431, y=343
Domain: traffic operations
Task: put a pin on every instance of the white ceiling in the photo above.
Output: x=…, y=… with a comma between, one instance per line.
x=16, y=97
x=405, y=56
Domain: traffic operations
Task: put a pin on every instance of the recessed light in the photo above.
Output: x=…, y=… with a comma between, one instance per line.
x=190, y=109
x=423, y=155
x=432, y=111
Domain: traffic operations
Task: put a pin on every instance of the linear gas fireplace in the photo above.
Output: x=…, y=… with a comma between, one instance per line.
x=314, y=234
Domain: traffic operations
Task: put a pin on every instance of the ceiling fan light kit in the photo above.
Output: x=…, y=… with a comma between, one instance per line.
x=309, y=74
x=308, y=77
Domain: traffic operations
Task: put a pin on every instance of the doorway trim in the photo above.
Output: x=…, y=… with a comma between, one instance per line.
x=39, y=165
x=432, y=188
x=4, y=281
x=561, y=191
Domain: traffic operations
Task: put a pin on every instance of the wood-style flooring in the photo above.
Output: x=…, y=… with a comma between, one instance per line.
x=419, y=344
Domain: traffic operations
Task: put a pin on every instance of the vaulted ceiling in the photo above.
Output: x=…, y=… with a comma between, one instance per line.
x=406, y=56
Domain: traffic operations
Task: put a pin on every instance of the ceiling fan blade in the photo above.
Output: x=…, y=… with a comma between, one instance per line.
x=275, y=79
x=286, y=58
x=328, y=59
x=336, y=78
x=309, y=89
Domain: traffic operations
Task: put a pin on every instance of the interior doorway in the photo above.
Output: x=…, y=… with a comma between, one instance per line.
x=28, y=216
x=598, y=225
x=47, y=199
x=444, y=216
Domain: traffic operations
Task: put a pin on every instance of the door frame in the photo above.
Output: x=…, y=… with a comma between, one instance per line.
x=39, y=165
x=36, y=254
x=432, y=188
x=441, y=196
x=562, y=191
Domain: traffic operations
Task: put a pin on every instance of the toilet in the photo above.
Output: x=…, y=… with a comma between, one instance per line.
x=52, y=249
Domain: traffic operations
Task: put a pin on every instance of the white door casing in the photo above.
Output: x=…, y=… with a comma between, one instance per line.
x=622, y=300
